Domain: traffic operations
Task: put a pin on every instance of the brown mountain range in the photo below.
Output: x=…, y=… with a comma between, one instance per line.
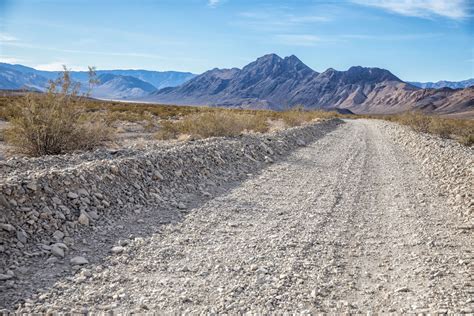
x=278, y=83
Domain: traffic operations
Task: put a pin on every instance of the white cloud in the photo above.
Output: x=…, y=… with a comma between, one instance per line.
x=11, y=60
x=298, y=39
x=58, y=66
x=213, y=3
x=4, y=37
x=278, y=18
x=453, y=9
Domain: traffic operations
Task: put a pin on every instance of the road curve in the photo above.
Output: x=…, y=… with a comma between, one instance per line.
x=346, y=224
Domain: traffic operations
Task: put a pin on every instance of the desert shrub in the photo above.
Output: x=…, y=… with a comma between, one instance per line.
x=461, y=130
x=298, y=116
x=418, y=121
x=213, y=124
x=55, y=123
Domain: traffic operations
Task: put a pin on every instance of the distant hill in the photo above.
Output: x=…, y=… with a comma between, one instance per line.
x=115, y=84
x=270, y=82
x=121, y=87
x=278, y=83
x=445, y=84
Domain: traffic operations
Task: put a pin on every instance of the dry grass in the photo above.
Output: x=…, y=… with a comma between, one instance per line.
x=232, y=123
x=212, y=124
x=54, y=123
x=460, y=130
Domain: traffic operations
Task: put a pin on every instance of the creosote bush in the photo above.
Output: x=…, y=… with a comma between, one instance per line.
x=212, y=124
x=55, y=122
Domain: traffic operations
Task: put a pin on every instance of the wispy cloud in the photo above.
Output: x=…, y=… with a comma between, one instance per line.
x=390, y=37
x=58, y=66
x=213, y=3
x=4, y=37
x=453, y=9
x=298, y=39
x=271, y=19
x=11, y=60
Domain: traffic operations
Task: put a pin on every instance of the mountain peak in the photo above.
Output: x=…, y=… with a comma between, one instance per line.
x=370, y=74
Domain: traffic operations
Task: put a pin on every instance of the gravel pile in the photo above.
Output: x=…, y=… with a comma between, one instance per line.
x=448, y=163
x=46, y=203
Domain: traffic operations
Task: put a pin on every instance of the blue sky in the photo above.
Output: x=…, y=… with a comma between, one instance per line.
x=423, y=40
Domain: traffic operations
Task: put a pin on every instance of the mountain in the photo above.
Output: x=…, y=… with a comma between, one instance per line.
x=267, y=82
x=115, y=84
x=18, y=78
x=121, y=87
x=273, y=82
x=445, y=84
x=159, y=79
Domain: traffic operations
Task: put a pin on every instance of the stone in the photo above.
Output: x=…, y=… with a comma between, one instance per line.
x=21, y=236
x=72, y=195
x=300, y=142
x=4, y=277
x=402, y=289
x=181, y=206
x=32, y=186
x=7, y=227
x=58, y=235
x=117, y=249
x=79, y=260
x=4, y=202
x=57, y=251
x=157, y=176
x=83, y=219
x=82, y=192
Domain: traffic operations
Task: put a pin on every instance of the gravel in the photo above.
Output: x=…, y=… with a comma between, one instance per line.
x=356, y=221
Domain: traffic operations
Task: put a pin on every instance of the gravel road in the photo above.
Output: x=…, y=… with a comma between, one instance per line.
x=348, y=223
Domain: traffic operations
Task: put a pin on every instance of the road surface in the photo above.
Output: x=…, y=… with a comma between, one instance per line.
x=348, y=224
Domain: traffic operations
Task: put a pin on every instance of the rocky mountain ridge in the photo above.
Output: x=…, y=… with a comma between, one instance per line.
x=272, y=82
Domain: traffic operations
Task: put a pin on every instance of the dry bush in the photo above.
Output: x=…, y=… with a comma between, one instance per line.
x=461, y=130
x=298, y=116
x=213, y=124
x=54, y=123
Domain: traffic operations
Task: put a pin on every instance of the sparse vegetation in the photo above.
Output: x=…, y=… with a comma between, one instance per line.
x=55, y=122
x=460, y=130
x=215, y=123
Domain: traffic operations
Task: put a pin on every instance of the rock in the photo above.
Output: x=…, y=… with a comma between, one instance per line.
x=58, y=235
x=4, y=202
x=21, y=236
x=57, y=251
x=93, y=215
x=157, y=175
x=117, y=249
x=32, y=186
x=4, y=277
x=72, y=195
x=402, y=289
x=181, y=206
x=79, y=260
x=51, y=260
x=82, y=192
x=7, y=227
x=300, y=142
x=83, y=219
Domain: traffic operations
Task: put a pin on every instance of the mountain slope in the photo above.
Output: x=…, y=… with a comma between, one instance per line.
x=445, y=84
x=266, y=82
x=126, y=84
x=121, y=87
x=278, y=83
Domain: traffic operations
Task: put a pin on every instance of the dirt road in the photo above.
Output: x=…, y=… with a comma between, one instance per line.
x=347, y=223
